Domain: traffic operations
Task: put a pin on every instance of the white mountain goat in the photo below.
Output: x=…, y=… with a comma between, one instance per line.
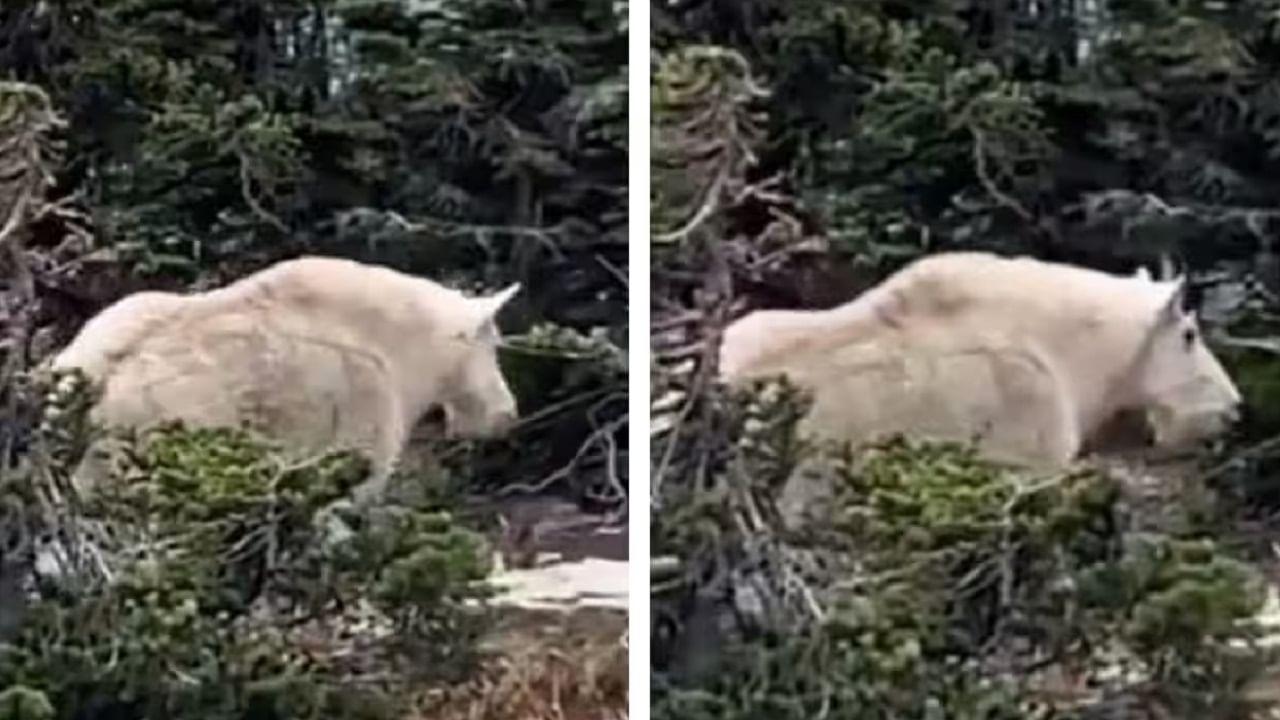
x=315, y=352
x=1028, y=358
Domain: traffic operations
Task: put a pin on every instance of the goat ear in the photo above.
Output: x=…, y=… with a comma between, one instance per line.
x=489, y=305
x=1172, y=308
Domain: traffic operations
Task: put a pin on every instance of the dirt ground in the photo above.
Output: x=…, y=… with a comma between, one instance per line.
x=559, y=649
x=545, y=665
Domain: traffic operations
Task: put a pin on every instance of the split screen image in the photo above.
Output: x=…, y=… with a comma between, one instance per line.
x=929, y=347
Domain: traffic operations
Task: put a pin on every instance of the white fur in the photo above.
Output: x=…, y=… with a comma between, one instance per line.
x=1029, y=358
x=109, y=335
x=315, y=352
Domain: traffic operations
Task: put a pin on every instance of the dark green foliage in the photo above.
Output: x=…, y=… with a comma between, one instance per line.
x=23, y=703
x=962, y=124
x=225, y=600
x=947, y=583
x=984, y=554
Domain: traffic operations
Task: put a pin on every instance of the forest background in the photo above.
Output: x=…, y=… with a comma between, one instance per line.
x=154, y=144
x=804, y=150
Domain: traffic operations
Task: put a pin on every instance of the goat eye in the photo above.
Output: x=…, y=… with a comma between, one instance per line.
x=1189, y=337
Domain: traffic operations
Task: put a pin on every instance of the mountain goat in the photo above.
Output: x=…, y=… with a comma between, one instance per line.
x=1025, y=357
x=314, y=352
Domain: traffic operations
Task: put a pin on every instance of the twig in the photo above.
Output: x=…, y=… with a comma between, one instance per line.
x=613, y=270
x=1258, y=450
x=425, y=224
x=246, y=191
x=559, y=407
x=709, y=205
x=568, y=468
x=984, y=177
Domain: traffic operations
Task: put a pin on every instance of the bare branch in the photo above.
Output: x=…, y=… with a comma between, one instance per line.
x=988, y=183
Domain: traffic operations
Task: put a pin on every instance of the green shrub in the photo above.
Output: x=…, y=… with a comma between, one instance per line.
x=948, y=585
x=222, y=598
